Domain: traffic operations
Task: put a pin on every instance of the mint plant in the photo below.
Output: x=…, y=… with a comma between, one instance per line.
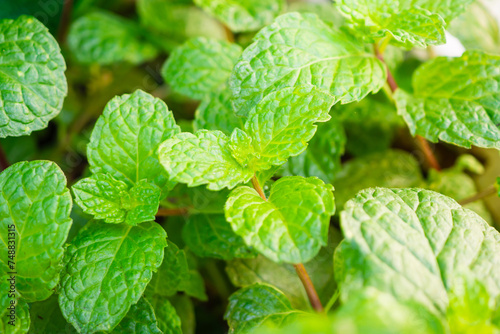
x=313, y=172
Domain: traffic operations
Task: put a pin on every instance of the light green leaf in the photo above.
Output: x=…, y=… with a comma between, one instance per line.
x=300, y=49
x=46, y=317
x=456, y=100
x=477, y=29
x=216, y=112
x=166, y=316
x=413, y=243
x=245, y=15
x=139, y=319
x=457, y=184
x=202, y=158
x=15, y=318
x=107, y=269
x=32, y=75
x=322, y=156
x=126, y=138
x=393, y=168
x=252, y=306
x=210, y=235
x=200, y=66
x=171, y=274
x=113, y=201
x=282, y=124
x=34, y=210
x=291, y=226
x=324, y=10
x=105, y=38
x=175, y=21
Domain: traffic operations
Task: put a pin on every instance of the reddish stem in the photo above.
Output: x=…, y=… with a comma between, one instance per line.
x=172, y=212
x=4, y=163
x=308, y=285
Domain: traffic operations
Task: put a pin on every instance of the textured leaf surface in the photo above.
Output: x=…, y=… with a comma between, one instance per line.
x=456, y=100
x=202, y=158
x=300, y=49
x=322, y=156
x=107, y=268
x=19, y=316
x=126, y=138
x=166, y=316
x=291, y=226
x=33, y=85
x=210, y=235
x=413, y=243
x=139, y=319
x=171, y=274
x=200, y=66
x=245, y=15
x=46, y=317
x=257, y=304
x=283, y=123
x=34, y=199
x=105, y=38
x=113, y=201
x=216, y=112
x=394, y=168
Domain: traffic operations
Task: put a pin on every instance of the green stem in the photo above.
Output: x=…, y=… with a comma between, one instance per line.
x=332, y=300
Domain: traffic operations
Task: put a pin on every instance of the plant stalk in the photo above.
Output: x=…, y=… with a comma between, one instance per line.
x=308, y=285
x=484, y=193
x=64, y=22
x=423, y=143
x=4, y=163
x=299, y=268
x=172, y=212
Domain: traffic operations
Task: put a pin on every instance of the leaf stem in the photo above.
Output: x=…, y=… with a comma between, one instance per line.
x=172, y=212
x=299, y=268
x=4, y=162
x=308, y=285
x=484, y=193
x=423, y=143
x=332, y=300
x=258, y=188
x=64, y=22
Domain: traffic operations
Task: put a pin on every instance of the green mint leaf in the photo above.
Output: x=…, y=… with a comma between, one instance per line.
x=406, y=24
x=194, y=286
x=252, y=306
x=210, y=235
x=172, y=273
x=113, y=201
x=105, y=38
x=18, y=313
x=200, y=66
x=32, y=75
x=185, y=309
x=322, y=156
x=300, y=49
x=282, y=124
x=393, y=168
x=413, y=243
x=46, y=317
x=107, y=268
x=477, y=29
x=126, y=138
x=247, y=15
x=173, y=22
x=370, y=125
x=455, y=100
x=139, y=319
x=166, y=316
x=35, y=206
x=202, y=158
x=297, y=217
x=216, y=112
x=325, y=11
x=244, y=272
